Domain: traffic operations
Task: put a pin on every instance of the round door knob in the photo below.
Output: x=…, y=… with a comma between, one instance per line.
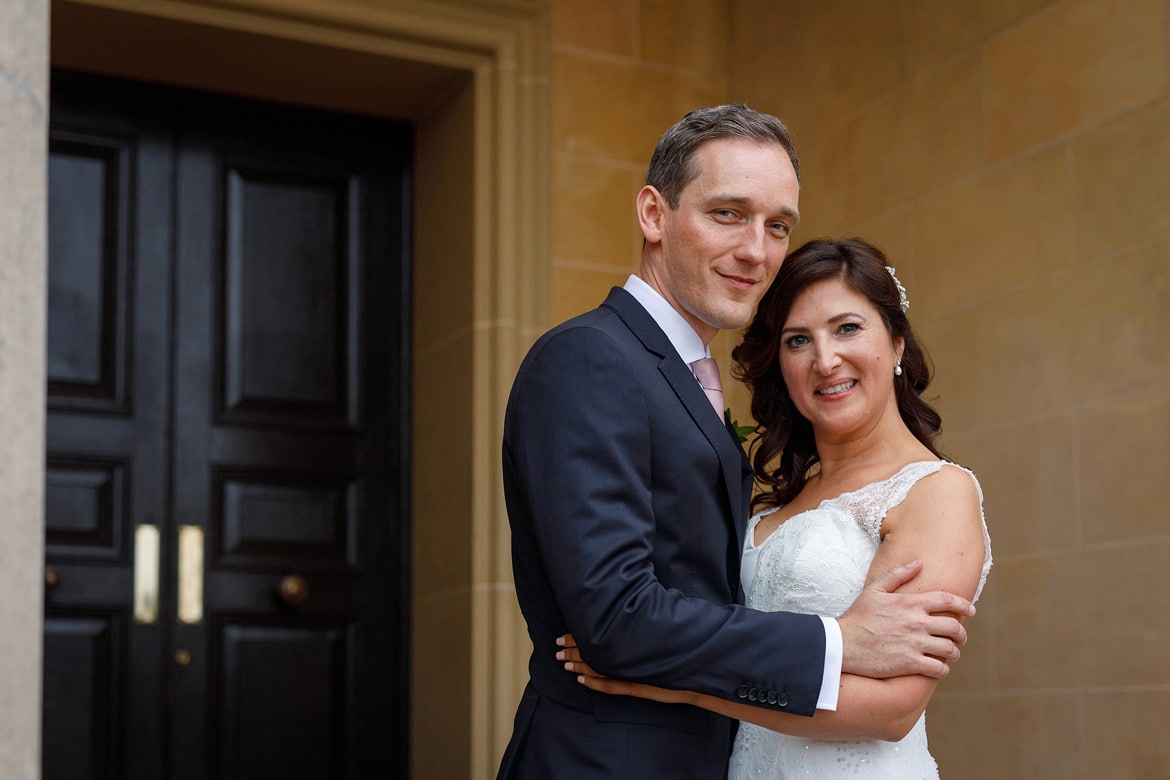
x=52, y=578
x=294, y=591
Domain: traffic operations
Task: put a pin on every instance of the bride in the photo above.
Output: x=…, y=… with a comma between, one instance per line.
x=852, y=485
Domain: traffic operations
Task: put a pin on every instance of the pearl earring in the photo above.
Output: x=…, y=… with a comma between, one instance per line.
x=898, y=368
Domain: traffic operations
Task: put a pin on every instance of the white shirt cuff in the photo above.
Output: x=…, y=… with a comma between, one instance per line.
x=831, y=682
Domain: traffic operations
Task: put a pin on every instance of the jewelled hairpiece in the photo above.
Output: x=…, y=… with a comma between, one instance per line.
x=903, y=301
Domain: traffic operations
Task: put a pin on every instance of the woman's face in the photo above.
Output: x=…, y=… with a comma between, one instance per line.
x=838, y=359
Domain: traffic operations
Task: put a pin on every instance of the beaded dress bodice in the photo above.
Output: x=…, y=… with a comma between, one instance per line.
x=816, y=562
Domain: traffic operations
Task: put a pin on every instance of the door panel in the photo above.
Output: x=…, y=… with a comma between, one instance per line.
x=80, y=655
x=301, y=732
x=107, y=443
x=284, y=449
x=255, y=261
x=88, y=208
x=290, y=261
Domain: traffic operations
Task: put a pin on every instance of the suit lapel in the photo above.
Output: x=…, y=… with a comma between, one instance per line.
x=736, y=471
x=682, y=381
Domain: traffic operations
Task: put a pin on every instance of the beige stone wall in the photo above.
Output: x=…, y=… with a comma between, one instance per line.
x=23, y=123
x=1014, y=160
x=622, y=72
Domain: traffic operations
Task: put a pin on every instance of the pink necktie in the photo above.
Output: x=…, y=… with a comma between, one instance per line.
x=707, y=372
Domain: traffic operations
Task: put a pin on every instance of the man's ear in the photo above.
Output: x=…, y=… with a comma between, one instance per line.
x=652, y=208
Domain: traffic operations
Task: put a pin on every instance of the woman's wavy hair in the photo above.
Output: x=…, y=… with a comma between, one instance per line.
x=784, y=450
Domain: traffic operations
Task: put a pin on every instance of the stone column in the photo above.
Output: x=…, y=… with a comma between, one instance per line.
x=24, y=114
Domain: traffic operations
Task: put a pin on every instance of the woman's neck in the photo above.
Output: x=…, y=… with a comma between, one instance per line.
x=884, y=448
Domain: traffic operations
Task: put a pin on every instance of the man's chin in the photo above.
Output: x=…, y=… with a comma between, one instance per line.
x=735, y=317
x=731, y=323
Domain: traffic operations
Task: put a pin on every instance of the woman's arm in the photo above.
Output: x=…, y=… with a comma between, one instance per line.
x=866, y=708
x=940, y=522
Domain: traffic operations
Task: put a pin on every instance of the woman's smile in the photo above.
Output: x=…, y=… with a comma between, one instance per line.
x=836, y=390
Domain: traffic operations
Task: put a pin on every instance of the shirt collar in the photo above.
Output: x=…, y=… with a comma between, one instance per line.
x=682, y=336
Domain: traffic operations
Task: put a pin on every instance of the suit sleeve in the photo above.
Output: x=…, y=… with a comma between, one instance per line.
x=578, y=459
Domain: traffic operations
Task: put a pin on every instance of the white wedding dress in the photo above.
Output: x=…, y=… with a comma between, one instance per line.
x=816, y=562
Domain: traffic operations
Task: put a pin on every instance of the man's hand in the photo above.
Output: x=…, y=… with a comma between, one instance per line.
x=888, y=634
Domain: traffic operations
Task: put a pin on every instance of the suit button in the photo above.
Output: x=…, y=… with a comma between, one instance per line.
x=782, y=700
x=772, y=697
x=742, y=691
x=753, y=694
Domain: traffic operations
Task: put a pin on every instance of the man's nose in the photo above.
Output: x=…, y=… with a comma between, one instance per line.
x=753, y=244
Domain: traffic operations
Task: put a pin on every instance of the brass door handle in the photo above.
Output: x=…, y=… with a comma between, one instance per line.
x=146, y=542
x=294, y=590
x=190, y=574
x=52, y=578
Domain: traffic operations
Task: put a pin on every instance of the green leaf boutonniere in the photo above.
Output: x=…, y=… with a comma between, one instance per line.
x=742, y=431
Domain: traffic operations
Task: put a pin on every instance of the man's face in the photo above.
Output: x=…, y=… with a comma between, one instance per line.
x=721, y=248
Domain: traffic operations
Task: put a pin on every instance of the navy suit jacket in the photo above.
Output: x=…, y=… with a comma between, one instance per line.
x=628, y=498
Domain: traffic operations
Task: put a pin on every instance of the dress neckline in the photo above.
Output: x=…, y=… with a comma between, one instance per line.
x=755, y=521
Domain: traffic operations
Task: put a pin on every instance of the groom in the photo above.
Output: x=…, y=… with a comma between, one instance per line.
x=628, y=492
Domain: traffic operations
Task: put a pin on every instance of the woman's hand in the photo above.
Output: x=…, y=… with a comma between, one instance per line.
x=591, y=679
x=571, y=655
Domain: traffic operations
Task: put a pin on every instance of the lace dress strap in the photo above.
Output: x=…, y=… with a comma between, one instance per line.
x=869, y=504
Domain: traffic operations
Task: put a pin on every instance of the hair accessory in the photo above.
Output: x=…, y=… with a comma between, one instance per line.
x=898, y=368
x=903, y=301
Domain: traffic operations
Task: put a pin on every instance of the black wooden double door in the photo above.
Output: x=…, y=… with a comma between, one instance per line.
x=226, y=490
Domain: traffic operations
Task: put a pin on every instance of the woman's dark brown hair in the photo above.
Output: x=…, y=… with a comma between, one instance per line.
x=784, y=449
